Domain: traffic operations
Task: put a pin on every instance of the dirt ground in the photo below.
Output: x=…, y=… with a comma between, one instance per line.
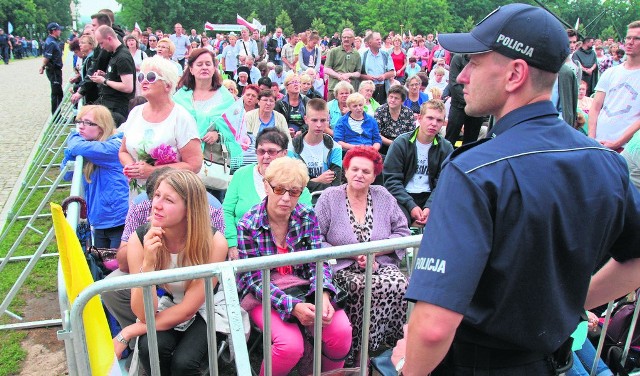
x=45, y=353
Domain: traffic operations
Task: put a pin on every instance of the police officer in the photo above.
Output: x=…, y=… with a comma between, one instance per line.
x=52, y=63
x=5, y=46
x=503, y=270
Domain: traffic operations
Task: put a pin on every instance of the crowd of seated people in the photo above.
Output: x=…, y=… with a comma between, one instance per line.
x=371, y=168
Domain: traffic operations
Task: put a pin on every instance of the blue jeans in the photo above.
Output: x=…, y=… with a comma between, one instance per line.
x=583, y=360
x=107, y=237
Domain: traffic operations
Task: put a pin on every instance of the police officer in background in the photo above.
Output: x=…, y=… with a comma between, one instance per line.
x=5, y=46
x=502, y=273
x=52, y=63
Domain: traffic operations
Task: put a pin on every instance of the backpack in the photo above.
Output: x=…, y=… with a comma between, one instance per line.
x=616, y=338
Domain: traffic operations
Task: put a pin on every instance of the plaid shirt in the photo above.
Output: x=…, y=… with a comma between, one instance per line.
x=255, y=240
x=139, y=214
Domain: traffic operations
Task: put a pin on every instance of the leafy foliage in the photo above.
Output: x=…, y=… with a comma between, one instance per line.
x=284, y=21
x=33, y=12
x=319, y=26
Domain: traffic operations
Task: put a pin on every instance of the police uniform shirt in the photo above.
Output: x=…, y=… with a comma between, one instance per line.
x=532, y=211
x=121, y=64
x=53, y=52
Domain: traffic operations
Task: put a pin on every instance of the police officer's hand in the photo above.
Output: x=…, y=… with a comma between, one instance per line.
x=400, y=350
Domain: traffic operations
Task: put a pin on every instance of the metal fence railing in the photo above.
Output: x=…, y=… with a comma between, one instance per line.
x=74, y=333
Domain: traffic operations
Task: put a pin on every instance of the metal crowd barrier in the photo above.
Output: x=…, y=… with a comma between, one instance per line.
x=74, y=333
x=73, y=217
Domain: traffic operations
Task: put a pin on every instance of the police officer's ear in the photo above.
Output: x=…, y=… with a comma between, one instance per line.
x=517, y=74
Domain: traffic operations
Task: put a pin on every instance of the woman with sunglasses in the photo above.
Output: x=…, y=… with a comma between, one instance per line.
x=106, y=190
x=159, y=132
x=278, y=224
x=246, y=188
x=200, y=92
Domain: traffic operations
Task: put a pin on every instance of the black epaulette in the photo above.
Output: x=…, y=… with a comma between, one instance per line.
x=466, y=147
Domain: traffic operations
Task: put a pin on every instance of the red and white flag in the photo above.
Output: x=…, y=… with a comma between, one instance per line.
x=208, y=26
x=137, y=27
x=243, y=22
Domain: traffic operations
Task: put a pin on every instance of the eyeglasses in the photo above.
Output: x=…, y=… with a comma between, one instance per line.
x=271, y=152
x=632, y=39
x=293, y=82
x=280, y=191
x=150, y=76
x=86, y=123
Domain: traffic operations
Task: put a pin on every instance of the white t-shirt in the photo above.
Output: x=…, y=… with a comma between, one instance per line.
x=621, y=105
x=314, y=156
x=419, y=183
x=138, y=58
x=175, y=131
x=356, y=125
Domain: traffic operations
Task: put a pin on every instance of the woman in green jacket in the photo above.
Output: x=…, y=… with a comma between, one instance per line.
x=200, y=92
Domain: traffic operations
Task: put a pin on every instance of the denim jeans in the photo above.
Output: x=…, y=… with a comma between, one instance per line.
x=583, y=360
x=107, y=237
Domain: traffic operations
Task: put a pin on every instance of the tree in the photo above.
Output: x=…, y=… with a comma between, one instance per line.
x=319, y=26
x=467, y=24
x=284, y=21
x=34, y=12
x=344, y=24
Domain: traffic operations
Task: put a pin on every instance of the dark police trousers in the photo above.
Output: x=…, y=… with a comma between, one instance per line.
x=55, y=79
x=470, y=359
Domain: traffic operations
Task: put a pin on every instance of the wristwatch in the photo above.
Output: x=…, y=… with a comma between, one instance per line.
x=105, y=81
x=121, y=339
x=399, y=366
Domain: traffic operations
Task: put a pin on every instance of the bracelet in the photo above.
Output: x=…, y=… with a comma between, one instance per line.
x=120, y=338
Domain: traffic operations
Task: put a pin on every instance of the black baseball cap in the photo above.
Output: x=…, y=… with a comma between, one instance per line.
x=53, y=26
x=517, y=31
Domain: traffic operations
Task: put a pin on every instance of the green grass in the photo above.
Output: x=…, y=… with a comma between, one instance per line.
x=43, y=278
x=11, y=353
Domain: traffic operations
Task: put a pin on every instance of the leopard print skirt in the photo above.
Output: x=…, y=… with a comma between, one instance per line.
x=388, y=308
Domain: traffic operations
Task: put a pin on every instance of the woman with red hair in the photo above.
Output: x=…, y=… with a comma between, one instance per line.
x=359, y=212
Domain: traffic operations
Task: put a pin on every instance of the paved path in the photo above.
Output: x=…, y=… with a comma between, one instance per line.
x=24, y=109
